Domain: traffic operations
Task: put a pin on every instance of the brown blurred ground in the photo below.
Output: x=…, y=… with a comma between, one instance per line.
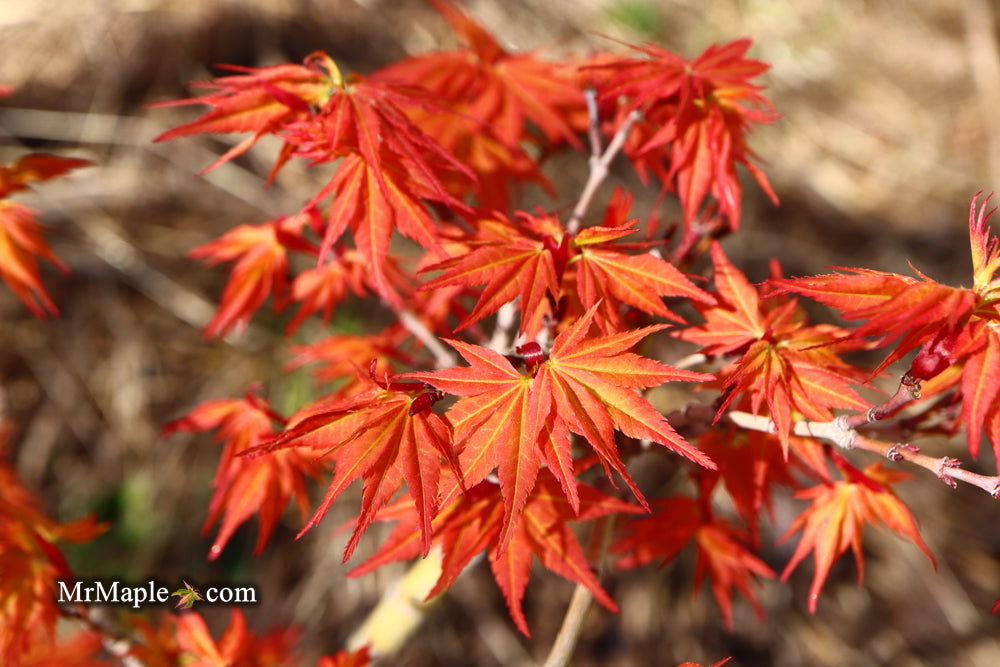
x=889, y=125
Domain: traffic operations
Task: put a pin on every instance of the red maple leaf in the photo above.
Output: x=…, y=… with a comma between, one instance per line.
x=500, y=89
x=791, y=368
x=491, y=95
x=475, y=521
x=30, y=564
x=261, y=269
x=389, y=165
x=952, y=326
x=247, y=486
x=696, y=114
x=749, y=465
x=260, y=100
x=836, y=520
x=517, y=258
x=359, y=658
x=323, y=287
x=606, y=274
x=21, y=241
x=513, y=422
x=385, y=435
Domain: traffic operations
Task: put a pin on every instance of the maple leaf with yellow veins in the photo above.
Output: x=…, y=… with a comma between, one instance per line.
x=513, y=422
x=791, y=368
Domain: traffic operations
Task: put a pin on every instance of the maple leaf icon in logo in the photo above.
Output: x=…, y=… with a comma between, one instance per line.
x=188, y=596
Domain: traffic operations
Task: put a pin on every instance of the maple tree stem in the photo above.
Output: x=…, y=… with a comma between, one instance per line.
x=442, y=356
x=599, y=169
x=582, y=600
x=835, y=431
x=690, y=361
x=907, y=392
x=500, y=341
x=594, y=126
x=114, y=642
x=947, y=469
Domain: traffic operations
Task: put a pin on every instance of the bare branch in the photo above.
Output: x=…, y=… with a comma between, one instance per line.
x=599, y=169
x=442, y=355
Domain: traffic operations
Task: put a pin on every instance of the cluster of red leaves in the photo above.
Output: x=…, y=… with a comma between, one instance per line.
x=836, y=519
x=955, y=328
x=491, y=96
x=245, y=486
x=30, y=565
x=784, y=364
x=561, y=275
x=403, y=137
x=722, y=550
x=695, y=116
x=21, y=240
x=474, y=521
x=438, y=146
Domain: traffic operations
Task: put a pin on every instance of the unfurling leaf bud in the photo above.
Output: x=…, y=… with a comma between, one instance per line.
x=936, y=355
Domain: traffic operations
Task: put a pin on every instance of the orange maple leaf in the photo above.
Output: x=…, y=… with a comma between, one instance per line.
x=500, y=89
x=606, y=274
x=514, y=259
x=261, y=270
x=721, y=552
x=836, y=520
x=491, y=95
x=696, y=116
x=952, y=326
x=512, y=422
x=389, y=165
x=784, y=364
x=21, y=241
x=247, y=486
x=385, y=435
x=343, y=658
x=260, y=100
x=30, y=565
x=236, y=646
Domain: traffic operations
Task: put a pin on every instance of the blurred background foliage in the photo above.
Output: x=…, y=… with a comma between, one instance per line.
x=889, y=125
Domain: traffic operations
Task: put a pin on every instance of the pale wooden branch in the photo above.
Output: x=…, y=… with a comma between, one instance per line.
x=690, y=361
x=594, y=124
x=401, y=610
x=443, y=357
x=500, y=341
x=947, y=469
x=576, y=613
x=599, y=169
x=116, y=643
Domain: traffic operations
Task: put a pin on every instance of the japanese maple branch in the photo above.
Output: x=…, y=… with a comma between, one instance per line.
x=946, y=469
x=442, y=355
x=582, y=600
x=841, y=431
x=600, y=164
x=114, y=641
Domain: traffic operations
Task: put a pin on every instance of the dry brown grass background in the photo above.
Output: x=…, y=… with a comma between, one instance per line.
x=890, y=123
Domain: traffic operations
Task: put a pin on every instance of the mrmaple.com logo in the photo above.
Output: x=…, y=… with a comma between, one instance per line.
x=116, y=592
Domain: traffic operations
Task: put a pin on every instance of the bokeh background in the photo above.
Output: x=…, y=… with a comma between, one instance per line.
x=891, y=121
